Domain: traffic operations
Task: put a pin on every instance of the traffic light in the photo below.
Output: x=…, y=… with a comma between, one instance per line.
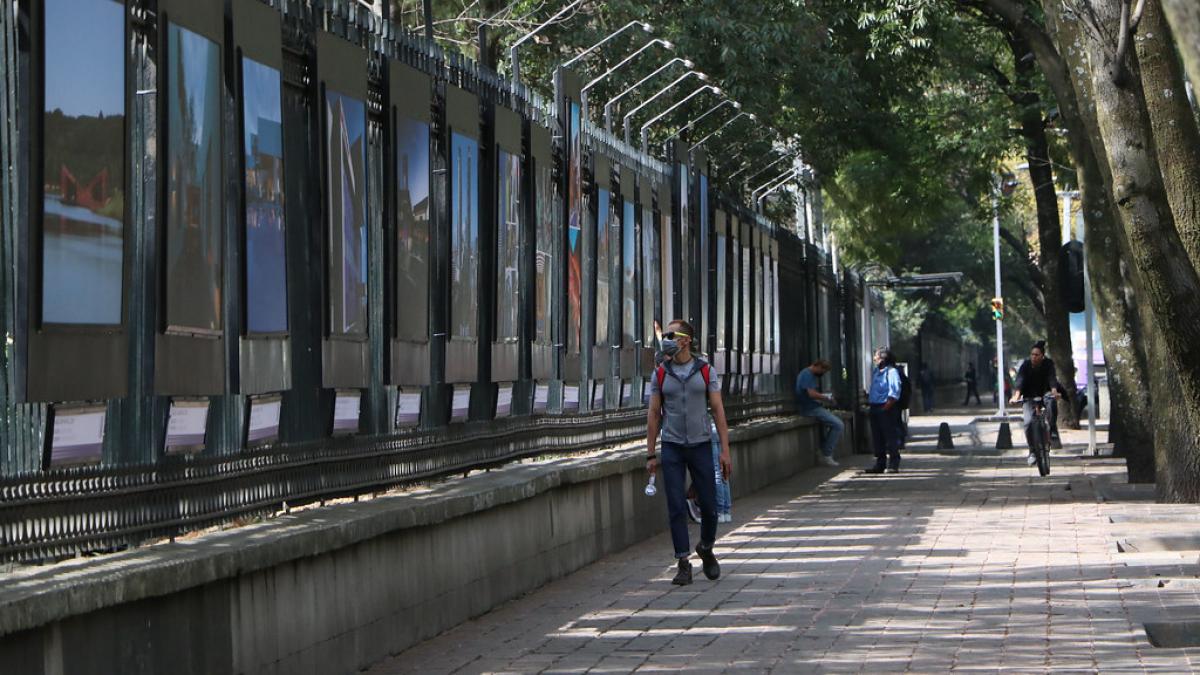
x=998, y=309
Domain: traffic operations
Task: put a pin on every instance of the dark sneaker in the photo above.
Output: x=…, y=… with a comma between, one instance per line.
x=684, y=576
x=893, y=469
x=712, y=568
x=693, y=507
x=874, y=469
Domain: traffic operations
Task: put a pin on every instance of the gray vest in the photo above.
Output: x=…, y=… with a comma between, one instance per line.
x=685, y=402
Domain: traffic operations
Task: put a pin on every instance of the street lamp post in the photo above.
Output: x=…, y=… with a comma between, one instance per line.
x=660, y=93
x=512, y=51
x=721, y=128
x=645, y=130
x=584, y=92
x=694, y=122
x=612, y=101
x=784, y=177
x=642, y=24
x=1001, y=369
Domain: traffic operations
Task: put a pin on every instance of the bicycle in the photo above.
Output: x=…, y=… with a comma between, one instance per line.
x=1039, y=435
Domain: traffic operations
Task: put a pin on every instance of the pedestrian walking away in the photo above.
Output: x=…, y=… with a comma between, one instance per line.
x=1036, y=376
x=683, y=391
x=885, y=413
x=926, y=380
x=809, y=400
x=972, y=380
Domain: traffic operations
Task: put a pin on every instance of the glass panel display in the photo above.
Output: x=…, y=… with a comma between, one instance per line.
x=702, y=265
x=83, y=203
x=603, y=226
x=508, y=248
x=464, y=236
x=685, y=269
x=193, y=261
x=735, y=286
x=775, y=290
x=720, y=291
x=747, y=308
x=262, y=148
x=574, y=236
x=629, y=291
x=760, y=275
x=667, y=265
x=545, y=252
x=412, y=236
x=650, y=277
x=345, y=147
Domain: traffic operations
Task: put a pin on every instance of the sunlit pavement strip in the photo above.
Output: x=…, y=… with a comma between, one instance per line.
x=965, y=561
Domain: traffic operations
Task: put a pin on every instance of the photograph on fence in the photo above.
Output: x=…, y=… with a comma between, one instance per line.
x=412, y=221
x=544, y=264
x=83, y=199
x=464, y=237
x=262, y=148
x=574, y=234
x=629, y=289
x=345, y=152
x=603, y=227
x=508, y=247
x=194, y=190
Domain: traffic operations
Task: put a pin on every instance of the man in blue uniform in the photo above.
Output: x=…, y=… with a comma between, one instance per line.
x=885, y=413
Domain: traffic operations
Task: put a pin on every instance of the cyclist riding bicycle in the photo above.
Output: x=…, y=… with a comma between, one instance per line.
x=1035, y=377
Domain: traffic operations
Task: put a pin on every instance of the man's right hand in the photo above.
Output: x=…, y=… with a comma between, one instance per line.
x=652, y=465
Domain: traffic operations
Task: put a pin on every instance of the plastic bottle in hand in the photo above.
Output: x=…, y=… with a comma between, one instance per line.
x=650, y=489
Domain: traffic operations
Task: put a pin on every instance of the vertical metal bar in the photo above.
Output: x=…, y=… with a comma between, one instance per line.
x=1000, y=369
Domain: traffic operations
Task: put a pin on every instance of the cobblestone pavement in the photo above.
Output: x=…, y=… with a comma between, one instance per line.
x=965, y=561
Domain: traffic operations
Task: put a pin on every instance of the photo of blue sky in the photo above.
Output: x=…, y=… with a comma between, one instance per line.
x=345, y=129
x=85, y=56
x=262, y=145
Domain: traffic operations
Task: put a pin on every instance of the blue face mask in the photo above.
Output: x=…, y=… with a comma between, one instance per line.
x=670, y=347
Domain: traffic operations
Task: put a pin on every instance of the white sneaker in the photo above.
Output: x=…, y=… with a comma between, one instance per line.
x=694, y=510
x=1031, y=459
x=827, y=461
x=725, y=518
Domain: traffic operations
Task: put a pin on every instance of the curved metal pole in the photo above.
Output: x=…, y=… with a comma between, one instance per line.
x=759, y=201
x=783, y=176
x=655, y=97
x=608, y=106
x=584, y=92
x=512, y=51
x=645, y=26
x=721, y=128
x=715, y=108
x=645, y=131
x=756, y=174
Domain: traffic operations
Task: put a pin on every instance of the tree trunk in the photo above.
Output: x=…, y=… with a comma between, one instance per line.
x=1184, y=16
x=1130, y=412
x=1168, y=280
x=1176, y=139
x=1037, y=155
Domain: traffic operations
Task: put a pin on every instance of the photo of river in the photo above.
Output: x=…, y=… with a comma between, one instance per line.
x=83, y=204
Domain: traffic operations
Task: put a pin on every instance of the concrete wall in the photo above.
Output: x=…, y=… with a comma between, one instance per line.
x=333, y=589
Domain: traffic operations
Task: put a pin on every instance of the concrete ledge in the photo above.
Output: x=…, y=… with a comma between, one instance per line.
x=336, y=588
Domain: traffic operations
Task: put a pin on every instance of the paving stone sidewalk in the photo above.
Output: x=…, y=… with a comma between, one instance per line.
x=965, y=561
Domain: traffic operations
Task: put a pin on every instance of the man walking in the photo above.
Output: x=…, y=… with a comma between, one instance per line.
x=885, y=413
x=682, y=391
x=808, y=404
x=926, y=381
x=972, y=380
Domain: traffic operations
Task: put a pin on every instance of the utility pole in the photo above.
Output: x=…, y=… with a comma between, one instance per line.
x=1000, y=367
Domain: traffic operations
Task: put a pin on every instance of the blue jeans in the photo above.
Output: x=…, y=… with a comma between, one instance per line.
x=724, y=500
x=676, y=461
x=885, y=436
x=832, y=425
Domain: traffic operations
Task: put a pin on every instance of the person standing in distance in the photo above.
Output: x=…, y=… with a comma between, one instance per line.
x=885, y=414
x=808, y=404
x=682, y=390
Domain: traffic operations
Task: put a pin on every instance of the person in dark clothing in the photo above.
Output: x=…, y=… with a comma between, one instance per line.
x=972, y=379
x=1035, y=377
x=883, y=399
x=926, y=380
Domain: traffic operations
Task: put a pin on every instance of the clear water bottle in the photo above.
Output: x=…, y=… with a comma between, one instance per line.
x=650, y=489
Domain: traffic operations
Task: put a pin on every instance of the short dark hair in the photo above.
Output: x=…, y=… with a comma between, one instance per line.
x=823, y=364
x=886, y=352
x=1040, y=345
x=685, y=326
